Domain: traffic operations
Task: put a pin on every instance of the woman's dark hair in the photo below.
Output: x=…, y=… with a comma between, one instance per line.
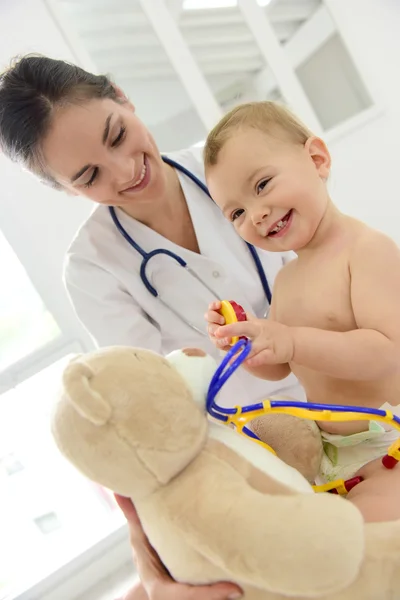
x=30, y=90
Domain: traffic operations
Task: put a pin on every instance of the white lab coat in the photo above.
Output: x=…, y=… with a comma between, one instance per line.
x=103, y=282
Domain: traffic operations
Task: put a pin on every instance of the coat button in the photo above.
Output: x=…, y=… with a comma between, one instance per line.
x=216, y=274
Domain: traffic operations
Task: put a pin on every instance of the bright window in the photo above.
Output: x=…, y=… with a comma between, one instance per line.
x=49, y=513
x=333, y=84
x=25, y=323
x=204, y=4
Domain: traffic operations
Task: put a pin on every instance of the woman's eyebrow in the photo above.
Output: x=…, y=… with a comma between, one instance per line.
x=104, y=139
x=80, y=173
x=107, y=128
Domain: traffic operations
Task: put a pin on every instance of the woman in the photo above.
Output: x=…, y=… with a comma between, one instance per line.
x=79, y=133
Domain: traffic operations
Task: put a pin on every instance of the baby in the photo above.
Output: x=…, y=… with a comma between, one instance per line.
x=334, y=319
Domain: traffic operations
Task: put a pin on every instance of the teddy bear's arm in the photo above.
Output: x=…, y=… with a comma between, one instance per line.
x=294, y=544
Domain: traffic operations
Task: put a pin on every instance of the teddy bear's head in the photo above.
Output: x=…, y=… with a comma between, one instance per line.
x=128, y=411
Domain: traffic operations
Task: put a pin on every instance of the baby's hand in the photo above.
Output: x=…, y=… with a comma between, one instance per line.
x=215, y=320
x=272, y=342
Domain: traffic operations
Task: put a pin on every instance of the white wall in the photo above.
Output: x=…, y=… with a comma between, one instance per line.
x=180, y=131
x=37, y=221
x=366, y=160
x=146, y=96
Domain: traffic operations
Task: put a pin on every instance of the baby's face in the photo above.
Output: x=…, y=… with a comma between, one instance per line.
x=273, y=190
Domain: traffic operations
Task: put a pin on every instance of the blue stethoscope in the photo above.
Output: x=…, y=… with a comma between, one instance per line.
x=147, y=256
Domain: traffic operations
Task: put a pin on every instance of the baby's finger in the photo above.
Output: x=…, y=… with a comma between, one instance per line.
x=212, y=328
x=212, y=316
x=242, y=328
x=265, y=357
x=216, y=305
x=224, y=344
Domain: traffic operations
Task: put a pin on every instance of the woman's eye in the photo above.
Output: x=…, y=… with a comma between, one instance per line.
x=119, y=137
x=261, y=185
x=236, y=214
x=89, y=183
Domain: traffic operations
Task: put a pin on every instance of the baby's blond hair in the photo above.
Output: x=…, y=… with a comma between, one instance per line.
x=269, y=117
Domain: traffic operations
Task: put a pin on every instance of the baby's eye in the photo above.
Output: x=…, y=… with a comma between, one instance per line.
x=236, y=214
x=261, y=185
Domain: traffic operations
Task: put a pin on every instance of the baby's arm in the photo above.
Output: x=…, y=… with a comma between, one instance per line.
x=214, y=319
x=267, y=371
x=282, y=370
x=264, y=370
x=373, y=350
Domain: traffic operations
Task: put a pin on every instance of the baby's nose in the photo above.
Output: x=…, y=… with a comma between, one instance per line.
x=260, y=216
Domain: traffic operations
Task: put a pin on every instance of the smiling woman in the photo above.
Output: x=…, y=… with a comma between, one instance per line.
x=24, y=78
x=79, y=133
x=110, y=134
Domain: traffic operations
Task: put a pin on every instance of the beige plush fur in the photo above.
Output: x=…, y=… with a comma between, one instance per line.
x=296, y=441
x=128, y=419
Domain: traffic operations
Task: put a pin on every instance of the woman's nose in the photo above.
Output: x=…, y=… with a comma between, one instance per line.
x=125, y=169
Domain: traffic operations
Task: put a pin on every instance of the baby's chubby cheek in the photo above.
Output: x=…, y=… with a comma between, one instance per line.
x=196, y=368
x=216, y=182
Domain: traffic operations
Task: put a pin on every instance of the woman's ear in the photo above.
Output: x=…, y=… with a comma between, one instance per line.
x=320, y=156
x=122, y=97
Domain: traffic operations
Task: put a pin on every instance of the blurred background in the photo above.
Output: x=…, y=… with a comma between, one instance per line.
x=183, y=63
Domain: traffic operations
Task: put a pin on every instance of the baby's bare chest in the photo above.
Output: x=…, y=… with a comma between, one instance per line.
x=316, y=294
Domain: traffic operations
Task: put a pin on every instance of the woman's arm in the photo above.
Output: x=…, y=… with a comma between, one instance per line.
x=108, y=312
x=136, y=593
x=157, y=584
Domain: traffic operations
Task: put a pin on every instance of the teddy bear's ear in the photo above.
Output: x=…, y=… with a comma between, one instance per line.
x=87, y=402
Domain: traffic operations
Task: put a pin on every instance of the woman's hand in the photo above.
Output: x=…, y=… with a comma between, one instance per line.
x=157, y=582
x=215, y=320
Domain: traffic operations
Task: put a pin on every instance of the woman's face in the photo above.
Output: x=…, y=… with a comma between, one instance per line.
x=101, y=150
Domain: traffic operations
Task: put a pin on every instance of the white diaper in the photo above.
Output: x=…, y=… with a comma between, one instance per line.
x=344, y=455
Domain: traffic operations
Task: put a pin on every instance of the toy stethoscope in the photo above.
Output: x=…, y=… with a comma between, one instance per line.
x=241, y=415
x=147, y=256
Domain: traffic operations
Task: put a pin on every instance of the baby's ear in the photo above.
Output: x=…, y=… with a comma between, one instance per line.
x=320, y=156
x=88, y=403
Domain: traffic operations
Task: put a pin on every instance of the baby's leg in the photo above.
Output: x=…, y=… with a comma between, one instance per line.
x=378, y=496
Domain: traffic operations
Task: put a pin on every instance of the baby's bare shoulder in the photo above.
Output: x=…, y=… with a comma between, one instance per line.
x=374, y=245
x=286, y=272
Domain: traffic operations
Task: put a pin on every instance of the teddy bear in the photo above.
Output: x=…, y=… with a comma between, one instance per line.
x=296, y=441
x=214, y=504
